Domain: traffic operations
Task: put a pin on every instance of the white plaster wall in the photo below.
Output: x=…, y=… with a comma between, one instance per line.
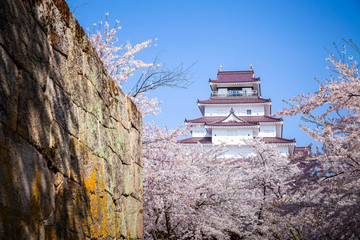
x=240, y=111
x=284, y=150
x=255, y=110
x=267, y=131
x=244, y=151
x=278, y=130
x=267, y=110
x=200, y=132
x=217, y=111
x=231, y=136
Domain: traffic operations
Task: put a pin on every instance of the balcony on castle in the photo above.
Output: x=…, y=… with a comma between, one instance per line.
x=234, y=93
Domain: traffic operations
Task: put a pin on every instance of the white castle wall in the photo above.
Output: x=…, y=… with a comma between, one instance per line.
x=239, y=110
x=246, y=151
x=231, y=136
x=267, y=131
x=200, y=132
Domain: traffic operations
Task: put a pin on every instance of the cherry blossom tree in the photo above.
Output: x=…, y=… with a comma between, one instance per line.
x=193, y=192
x=267, y=176
x=327, y=195
x=186, y=191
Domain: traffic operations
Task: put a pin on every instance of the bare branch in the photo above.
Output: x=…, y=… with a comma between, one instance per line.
x=176, y=77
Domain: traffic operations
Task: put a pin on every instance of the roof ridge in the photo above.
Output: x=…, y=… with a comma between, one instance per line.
x=244, y=118
x=246, y=100
x=236, y=71
x=280, y=118
x=288, y=139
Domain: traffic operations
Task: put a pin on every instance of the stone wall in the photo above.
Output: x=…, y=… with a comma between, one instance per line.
x=70, y=143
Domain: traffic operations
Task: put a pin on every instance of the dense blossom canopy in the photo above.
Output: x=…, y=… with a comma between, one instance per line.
x=327, y=194
x=195, y=193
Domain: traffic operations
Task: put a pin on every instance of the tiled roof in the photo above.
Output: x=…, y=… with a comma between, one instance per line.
x=278, y=140
x=304, y=151
x=205, y=119
x=234, y=76
x=232, y=124
x=233, y=100
x=261, y=119
x=207, y=140
x=196, y=140
x=300, y=149
x=208, y=119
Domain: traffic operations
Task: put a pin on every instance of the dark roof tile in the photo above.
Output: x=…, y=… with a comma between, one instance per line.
x=196, y=140
x=208, y=119
x=232, y=124
x=278, y=140
x=207, y=140
x=233, y=100
x=234, y=76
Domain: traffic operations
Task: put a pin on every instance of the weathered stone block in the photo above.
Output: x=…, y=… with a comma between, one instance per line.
x=34, y=111
x=49, y=17
x=26, y=187
x=118, y=175
x=110, y=180
x=58, y=151
x=136, y=149
x=133, y=217
x=134, y=115
x=24, y=40
x=119, y=113
x=137, y=182
x=58, y=71
x=83, y=131
x=74, y=62
x=132, y=181
x=83, y=164
x=94, y=129
x=72, y=211
x=125, y=147
x=63, y=110
x=92, y=72
x=108, y=137
x=8, y=89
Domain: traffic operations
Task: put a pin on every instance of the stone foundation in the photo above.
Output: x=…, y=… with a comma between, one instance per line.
x=70, y=141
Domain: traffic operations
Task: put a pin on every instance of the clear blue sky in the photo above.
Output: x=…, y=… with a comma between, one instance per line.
x=283, y=40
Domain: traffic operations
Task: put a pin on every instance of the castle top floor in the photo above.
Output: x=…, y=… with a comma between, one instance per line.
x=235, y=84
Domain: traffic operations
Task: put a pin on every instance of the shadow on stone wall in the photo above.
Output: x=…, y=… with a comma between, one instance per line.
x=70, y=145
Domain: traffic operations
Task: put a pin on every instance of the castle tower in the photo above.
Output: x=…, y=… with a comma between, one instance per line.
x=236, y=111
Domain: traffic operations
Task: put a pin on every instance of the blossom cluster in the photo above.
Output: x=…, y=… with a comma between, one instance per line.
x=119, y=60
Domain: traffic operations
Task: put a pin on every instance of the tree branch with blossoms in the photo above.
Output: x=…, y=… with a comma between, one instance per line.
x=119, y=60
x=325, y=199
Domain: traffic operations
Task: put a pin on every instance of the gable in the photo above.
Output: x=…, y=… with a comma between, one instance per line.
x=232, y=117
